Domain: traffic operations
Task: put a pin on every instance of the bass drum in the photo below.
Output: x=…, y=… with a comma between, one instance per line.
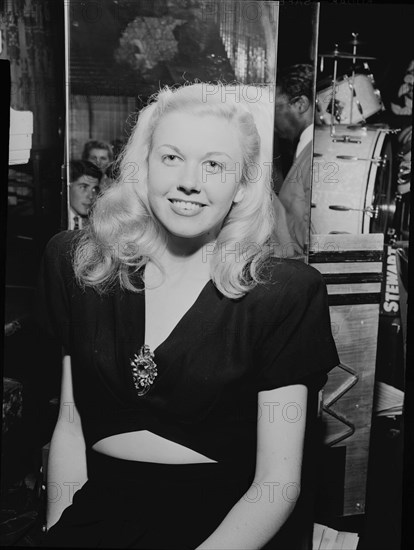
x=351, y=190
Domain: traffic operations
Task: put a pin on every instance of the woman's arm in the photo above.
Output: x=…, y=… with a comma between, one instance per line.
x=66, y=471
x=264, y=508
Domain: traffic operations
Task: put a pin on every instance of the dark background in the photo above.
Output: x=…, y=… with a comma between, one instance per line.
x=386, y=30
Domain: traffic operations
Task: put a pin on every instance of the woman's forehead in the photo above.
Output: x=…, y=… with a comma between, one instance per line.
x=95, y=151
x=183, y=127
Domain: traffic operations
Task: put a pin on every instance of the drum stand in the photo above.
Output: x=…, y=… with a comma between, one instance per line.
x=346, y=138
x=352, y=85
x=336, y=54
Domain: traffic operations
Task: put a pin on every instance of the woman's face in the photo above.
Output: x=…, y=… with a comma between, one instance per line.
x=100, y=157
x=194, y=174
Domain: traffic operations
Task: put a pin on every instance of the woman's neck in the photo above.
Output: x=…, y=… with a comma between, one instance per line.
x=184, y=260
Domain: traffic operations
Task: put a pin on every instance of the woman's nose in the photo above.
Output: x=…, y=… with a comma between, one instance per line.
x=191, y=178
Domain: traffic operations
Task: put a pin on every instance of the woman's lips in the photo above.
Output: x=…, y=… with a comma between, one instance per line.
x=186, y=208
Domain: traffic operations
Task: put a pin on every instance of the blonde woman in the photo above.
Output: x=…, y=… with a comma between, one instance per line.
x=191, y=353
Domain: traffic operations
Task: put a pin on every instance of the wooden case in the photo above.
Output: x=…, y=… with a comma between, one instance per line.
x=352, y=268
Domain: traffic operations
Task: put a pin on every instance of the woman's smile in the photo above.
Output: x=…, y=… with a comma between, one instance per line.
x=186, y=208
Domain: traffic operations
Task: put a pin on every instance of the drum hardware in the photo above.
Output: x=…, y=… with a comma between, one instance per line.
x=355, y=41
x=358, y=105
x=333, y=94
x=370, y=76
x=336, y=114
x=345, y=55
x=372, y=212
x=352, y=85
x=334, y=53
x=380, y=160
x=374, y=127
x=342, y=208
x=389, y=130
x=343, y=94
x=399, y=229
x=346, y=139
x=354, y=97
x=404, y=174
x=400, y=244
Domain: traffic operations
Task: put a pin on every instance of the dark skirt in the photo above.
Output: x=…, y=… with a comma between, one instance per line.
x=130, y=504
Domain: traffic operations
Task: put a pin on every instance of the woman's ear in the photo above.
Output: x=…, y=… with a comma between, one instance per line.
x=239, y=196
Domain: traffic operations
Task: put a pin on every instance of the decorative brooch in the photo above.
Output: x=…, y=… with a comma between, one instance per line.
x=144, y=370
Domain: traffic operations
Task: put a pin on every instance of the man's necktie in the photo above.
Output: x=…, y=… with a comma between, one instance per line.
x=76, y=222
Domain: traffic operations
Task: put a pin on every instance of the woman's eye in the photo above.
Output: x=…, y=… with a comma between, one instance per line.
x=213, y=167
x=170, y=159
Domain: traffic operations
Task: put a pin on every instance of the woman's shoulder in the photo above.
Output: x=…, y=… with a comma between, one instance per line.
x=289, y=272
x=286, y=281
x=285, y=286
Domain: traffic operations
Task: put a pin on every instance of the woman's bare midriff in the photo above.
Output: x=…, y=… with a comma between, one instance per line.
x=145, y=446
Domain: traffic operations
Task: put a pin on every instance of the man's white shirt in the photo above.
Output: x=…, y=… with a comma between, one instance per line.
x=305, y=137
x=72, y=221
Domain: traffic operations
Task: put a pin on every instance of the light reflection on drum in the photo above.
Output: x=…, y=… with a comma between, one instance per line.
x=351, y=190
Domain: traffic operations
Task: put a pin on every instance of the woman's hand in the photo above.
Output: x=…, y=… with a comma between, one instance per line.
x=67, y=459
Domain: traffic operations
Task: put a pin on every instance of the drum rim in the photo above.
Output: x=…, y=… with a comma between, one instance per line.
x=386, y=145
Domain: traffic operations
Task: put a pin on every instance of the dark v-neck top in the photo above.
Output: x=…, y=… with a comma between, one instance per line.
x=210, y=368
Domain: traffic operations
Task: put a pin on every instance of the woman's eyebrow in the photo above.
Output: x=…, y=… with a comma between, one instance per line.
x=208, y=154
x=221, y=153
x=173, y=147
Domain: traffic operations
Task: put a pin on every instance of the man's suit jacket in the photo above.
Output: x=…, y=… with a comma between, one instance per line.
x=292, y=206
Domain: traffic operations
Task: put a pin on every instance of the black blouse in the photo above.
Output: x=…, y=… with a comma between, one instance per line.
x=210, y=368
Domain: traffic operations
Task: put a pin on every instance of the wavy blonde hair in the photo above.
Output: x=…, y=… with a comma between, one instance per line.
x=123, y=234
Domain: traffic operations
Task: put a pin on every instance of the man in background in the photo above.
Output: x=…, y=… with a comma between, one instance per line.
x=294, y=115
x=84, y=180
